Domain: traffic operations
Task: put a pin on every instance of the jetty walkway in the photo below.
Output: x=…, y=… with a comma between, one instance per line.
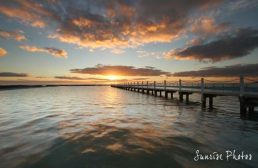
x=244, y=88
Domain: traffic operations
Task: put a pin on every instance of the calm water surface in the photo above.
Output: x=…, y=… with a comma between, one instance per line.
x=104, y=127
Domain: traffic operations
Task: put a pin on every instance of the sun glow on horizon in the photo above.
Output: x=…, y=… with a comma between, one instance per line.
x=112, y=77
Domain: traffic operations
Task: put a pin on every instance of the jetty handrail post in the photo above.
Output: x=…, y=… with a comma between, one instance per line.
x=142, y=84
x=202, y=86
x=242, y=85
x=137, y=85
x=147, y=84
x=154, y=85
x=203, y=98
x=180, y=84
x=165, y=84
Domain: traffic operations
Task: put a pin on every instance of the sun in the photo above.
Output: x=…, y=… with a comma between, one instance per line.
x=112, y=77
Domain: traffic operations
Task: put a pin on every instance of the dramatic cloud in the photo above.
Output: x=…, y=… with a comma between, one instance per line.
x=228, y=71
x=27, y=11
x=230, y=46
x=17, y=35
x=108, y=24
x=3, y=52
x=12, y=74
x=237, y=5
x=207, y=26
x=53, y=51
x=128, y=23
x=121, y=71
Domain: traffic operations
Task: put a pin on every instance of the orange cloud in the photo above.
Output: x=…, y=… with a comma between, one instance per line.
x=90, y=40
x=53, y=51
x=120, y=70
x=100, y=35
x=83, y=22
x=3, y=52
x=123, y=24
x=113, y=24
x=17, y=35
x=26, y=11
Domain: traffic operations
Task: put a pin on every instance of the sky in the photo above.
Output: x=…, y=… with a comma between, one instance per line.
x=112, y=41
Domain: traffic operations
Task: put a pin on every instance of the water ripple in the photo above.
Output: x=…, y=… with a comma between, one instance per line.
x=108, y=127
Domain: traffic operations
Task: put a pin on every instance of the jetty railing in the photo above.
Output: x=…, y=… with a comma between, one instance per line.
x=245, y=88
x=247, y=85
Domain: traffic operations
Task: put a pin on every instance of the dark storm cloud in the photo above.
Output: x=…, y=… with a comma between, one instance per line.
x=12, y=74
x=121, y=70
x=108, y=24
x=227, y=71
x=235, y=45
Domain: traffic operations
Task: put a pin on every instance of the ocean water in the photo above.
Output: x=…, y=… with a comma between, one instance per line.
x=104, y=127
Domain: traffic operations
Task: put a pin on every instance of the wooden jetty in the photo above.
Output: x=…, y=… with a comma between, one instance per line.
x=245, y=89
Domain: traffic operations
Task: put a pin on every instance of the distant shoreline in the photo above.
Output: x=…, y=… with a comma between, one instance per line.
x=13, y=87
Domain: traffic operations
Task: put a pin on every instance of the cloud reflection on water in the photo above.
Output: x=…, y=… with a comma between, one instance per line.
x=107, y=127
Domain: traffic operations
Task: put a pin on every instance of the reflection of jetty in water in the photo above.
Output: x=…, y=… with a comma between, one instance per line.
x=244, y=88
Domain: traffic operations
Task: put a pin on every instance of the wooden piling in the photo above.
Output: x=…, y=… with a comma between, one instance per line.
x=210, y=102
x=187, y=98
x=180, y=85
x=166, y=94
x=203, y=101
x=203, y=98
x=181, y=98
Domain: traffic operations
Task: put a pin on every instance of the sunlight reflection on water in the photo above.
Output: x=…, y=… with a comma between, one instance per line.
x=108, y=127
